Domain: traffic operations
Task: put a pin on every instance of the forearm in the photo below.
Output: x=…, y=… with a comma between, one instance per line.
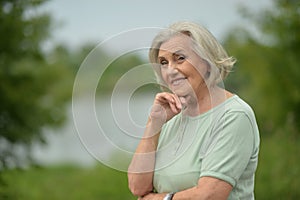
x=192, y=194
x=141, y=169
x=208, y=188
x=189, y=194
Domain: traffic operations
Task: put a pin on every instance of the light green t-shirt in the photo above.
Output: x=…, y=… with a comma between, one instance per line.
x=221, y=143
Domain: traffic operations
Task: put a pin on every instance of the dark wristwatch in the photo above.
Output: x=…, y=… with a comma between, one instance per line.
x=169, y=196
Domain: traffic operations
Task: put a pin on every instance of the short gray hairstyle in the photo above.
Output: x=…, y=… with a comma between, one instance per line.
x=205, y=45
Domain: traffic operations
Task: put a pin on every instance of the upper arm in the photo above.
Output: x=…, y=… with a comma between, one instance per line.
x=229, y=154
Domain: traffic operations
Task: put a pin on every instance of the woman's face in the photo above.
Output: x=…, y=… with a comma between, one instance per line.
x=181, y=68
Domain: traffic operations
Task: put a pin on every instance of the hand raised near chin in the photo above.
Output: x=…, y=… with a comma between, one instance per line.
x=165, y=106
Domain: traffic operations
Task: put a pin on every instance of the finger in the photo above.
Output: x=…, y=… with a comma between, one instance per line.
x=173, y=107
x=165, y=97
x=171, y=99
x=177, y=102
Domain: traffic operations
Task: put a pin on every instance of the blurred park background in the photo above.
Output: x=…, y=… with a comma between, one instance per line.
x=41, y=156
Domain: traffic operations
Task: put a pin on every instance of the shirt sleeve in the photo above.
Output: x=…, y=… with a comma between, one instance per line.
x=229, y=148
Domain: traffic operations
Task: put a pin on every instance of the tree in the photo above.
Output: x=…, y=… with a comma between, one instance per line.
x=267, y=71
x=33, y=91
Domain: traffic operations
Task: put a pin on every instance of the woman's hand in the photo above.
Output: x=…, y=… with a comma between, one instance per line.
x=153, y=196
x=165, y=106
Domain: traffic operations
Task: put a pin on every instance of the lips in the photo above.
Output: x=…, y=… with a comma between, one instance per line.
x=178, y=81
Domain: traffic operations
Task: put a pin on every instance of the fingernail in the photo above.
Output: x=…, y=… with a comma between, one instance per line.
x=180, y=106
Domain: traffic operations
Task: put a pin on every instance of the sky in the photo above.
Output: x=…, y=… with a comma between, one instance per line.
x=81, y=21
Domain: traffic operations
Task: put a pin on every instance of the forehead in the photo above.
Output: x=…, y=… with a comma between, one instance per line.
x=175, y=44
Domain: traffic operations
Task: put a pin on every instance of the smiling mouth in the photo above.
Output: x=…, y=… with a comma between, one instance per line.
x=178, y=81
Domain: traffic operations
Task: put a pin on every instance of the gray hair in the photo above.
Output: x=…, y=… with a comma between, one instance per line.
x=204, y=44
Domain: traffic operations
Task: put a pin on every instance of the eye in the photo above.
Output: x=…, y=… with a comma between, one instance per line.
x=180, y=58
x=163, y=62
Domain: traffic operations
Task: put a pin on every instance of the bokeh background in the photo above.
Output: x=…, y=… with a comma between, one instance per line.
x=44, y=43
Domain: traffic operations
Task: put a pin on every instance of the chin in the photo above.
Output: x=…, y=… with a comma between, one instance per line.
x=183, y=91
x=179, y=92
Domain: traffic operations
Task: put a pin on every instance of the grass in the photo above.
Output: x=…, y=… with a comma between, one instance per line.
x=277, y=178
x=65, y=182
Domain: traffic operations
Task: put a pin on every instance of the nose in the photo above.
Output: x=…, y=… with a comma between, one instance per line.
x=171, y=69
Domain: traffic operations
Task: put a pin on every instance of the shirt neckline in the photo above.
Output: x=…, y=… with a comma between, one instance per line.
x=212, y=109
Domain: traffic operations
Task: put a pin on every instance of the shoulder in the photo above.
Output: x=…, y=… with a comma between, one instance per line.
x=235, y=103
x=235, y=106
x=239, y=116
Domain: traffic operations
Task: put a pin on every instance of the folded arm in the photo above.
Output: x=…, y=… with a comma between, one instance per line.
x=208, y=188
x=141, y=168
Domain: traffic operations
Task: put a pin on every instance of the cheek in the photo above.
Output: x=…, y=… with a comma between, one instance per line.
x=200, y=72
x=191, y=71
x=163, y=75
x=196, y=77
x=199, y=66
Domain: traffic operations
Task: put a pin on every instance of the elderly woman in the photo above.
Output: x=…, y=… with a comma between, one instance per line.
x=201, y=141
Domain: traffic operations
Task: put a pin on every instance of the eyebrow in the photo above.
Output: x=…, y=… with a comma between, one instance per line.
x=180, y=51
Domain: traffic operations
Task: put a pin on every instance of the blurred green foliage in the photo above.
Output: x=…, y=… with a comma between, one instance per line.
x=267, y=72
x=33, y=91
x=268, y=77
x=36, y=85
x=278, y=168
x=116, y=69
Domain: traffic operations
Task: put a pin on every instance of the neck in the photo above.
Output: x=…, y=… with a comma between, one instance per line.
x=205, y=100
